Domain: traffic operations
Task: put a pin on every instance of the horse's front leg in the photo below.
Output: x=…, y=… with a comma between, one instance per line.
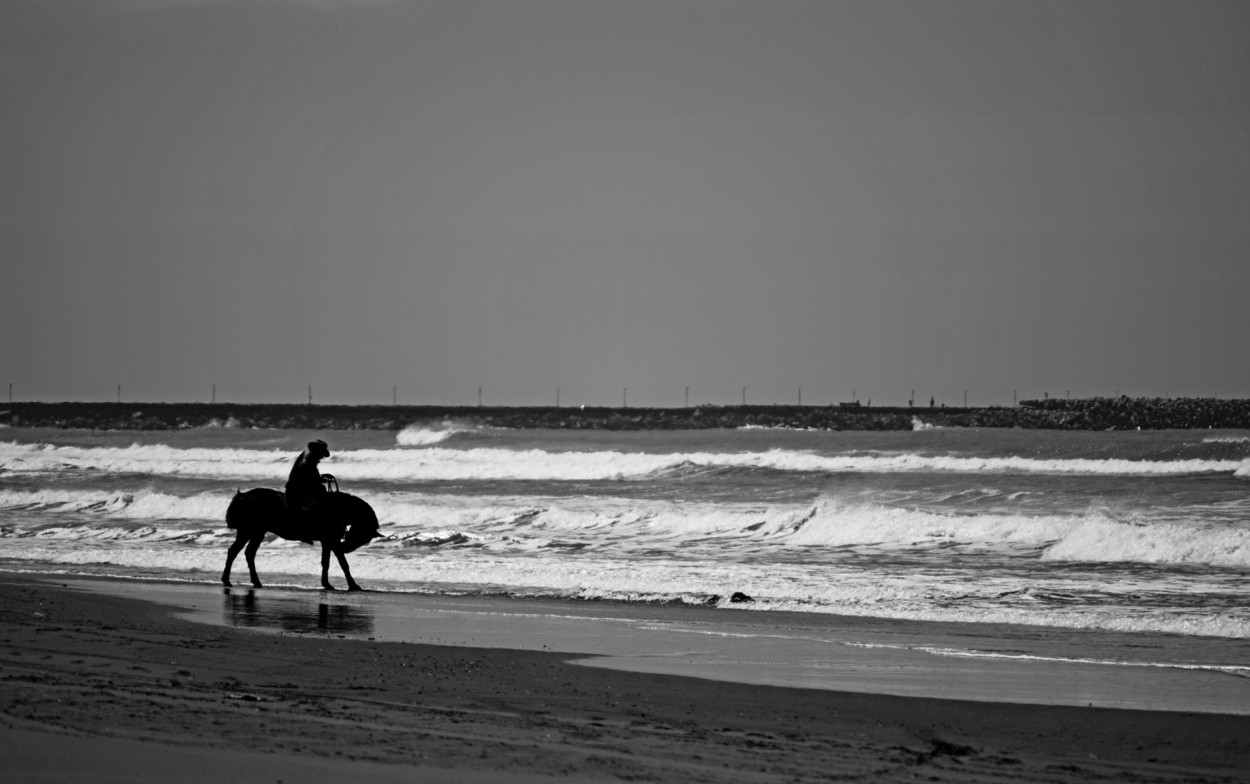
x=325, y=567
x=351, y=584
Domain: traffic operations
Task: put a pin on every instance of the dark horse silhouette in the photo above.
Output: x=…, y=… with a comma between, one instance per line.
x=340, y=521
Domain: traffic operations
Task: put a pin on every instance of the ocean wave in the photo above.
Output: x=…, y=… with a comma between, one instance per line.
x=1102, y=540
x=150, y=459
x=426, y=434
x=624, y=525
x=482, y=463
x=214, y=538
x=517, y=523
x=230, y=423
x=832, y=523
x=138, y=505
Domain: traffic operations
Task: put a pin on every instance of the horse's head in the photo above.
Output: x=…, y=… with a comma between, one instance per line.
x=362, y=525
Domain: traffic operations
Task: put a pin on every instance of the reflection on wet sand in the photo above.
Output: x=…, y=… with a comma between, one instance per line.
x=247, y=609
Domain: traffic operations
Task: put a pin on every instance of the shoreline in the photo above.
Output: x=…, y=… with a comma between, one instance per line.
x=80, y=667
x=984, y=662
x=1120, y=413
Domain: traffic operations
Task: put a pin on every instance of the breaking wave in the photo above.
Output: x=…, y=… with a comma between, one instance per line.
x=1106, y=541
x=426, y=434
x=141, y=505
x=442, y=463
x=620, y=525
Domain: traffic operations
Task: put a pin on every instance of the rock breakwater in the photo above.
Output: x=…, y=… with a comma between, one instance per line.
x=1120, y=413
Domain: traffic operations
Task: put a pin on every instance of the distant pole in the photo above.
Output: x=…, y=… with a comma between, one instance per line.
x=854, y=394
x=557, y=397
x=310, y=394
x=119, y=393
x=1015, y=397
x=624, y=392
x=800, y=396
x=744, y=396
x=479, y=396
x=394, y=395
x=687, y=395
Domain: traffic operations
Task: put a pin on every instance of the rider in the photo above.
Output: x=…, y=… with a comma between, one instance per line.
x=305, y=486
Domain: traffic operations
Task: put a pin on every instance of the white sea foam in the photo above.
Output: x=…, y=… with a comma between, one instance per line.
x=427, y=434
x=139, y=505
x=530, y=546
x=151, y=459
x=1230, y=669
x=972, y=548
x=215, y=423
x=626, y=525
x=832, y=524
x=440, y=463
x=1102, y=540
x=510, y=523
x=772, y=587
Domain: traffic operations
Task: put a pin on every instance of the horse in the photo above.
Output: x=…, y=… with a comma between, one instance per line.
x=340, y=521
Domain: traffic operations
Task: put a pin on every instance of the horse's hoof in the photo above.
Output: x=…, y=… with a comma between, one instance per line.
x=257, y=585
x=225, y=582
x=354, y=587
x=328, y=587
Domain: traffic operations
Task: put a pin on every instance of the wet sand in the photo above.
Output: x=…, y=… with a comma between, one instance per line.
x=109, y=688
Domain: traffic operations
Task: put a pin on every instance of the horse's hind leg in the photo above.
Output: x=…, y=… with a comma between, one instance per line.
x=250, y=553
x=240, y=539
x=325, y=567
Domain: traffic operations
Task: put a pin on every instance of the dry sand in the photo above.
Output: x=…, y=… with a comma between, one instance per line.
x=107, y=689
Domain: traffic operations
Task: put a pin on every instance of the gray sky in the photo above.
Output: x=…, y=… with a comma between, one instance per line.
x=869, y=195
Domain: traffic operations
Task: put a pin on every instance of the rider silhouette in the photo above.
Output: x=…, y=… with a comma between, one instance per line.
x=304, y=487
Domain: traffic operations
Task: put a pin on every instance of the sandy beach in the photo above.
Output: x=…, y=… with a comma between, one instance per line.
x=114, y=689
x=695, y=391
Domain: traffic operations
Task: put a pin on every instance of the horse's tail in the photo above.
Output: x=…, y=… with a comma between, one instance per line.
x=235, y=512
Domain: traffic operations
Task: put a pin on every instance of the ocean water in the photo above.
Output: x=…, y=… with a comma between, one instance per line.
x=1118, y=531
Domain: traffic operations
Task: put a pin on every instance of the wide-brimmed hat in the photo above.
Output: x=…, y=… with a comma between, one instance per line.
x=318, y=447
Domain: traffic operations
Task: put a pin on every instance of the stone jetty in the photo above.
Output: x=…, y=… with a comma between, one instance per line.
x=1115, y=413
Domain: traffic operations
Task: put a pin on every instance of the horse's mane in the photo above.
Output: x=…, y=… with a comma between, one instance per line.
x=363, y=517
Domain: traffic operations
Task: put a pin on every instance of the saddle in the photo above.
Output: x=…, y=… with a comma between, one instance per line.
x=301, y=523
